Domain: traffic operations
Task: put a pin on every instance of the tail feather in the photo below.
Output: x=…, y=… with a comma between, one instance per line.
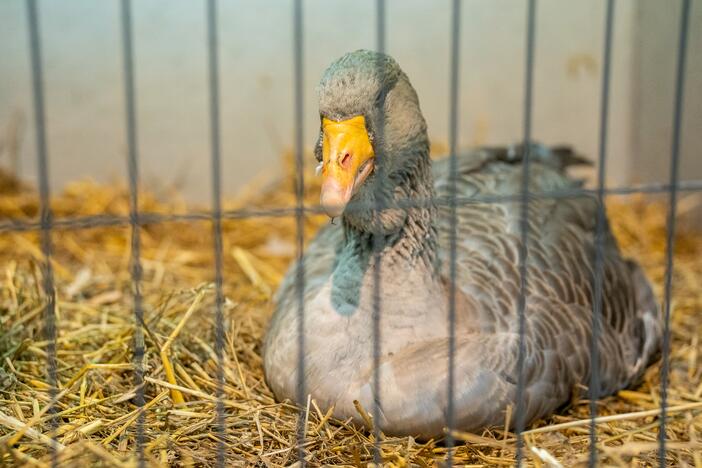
x=650, y=315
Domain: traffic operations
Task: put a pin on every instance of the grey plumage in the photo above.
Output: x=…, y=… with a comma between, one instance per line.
x=414, y=278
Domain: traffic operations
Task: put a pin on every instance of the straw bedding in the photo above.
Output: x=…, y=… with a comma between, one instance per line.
x=95, y=418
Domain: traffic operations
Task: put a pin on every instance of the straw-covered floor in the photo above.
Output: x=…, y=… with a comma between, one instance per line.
x=94, y=419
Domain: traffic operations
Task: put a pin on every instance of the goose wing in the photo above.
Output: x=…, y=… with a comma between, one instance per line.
x=559, y=281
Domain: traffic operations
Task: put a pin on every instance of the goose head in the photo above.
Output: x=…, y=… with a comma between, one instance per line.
x=373, y=145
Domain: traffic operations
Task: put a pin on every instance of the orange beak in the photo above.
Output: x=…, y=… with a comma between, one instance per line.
x=347, y=161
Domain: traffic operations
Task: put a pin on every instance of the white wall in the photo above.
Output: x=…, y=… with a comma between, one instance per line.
x=658, y=35
x=85, y=109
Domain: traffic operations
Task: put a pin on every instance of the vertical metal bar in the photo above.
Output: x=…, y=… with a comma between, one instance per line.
x=453, y=221
x=378, y=242
x=46, y=217
x=599, y=235
x=670, y=228
x=298, y=118
x=215, y=163
x=520, y=420
x=380, y=25
x=133, y=172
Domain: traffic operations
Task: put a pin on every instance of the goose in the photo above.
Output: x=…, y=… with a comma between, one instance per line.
x=373, y=146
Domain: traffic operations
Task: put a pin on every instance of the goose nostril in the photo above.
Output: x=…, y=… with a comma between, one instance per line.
x=346, y=159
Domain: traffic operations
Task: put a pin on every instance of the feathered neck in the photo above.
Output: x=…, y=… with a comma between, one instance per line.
x=406, y=227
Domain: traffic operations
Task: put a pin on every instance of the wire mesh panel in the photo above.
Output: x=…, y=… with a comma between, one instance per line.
x=137, y=219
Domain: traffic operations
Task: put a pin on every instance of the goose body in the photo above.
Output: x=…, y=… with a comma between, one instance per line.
x=414, y=277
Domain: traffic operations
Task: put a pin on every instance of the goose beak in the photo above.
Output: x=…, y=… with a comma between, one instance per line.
x=347, y=161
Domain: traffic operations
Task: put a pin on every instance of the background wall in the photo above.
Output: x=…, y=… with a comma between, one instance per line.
x=657, y=40
x=85, y=102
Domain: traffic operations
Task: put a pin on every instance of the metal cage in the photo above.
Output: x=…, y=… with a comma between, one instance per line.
x=136, y=219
